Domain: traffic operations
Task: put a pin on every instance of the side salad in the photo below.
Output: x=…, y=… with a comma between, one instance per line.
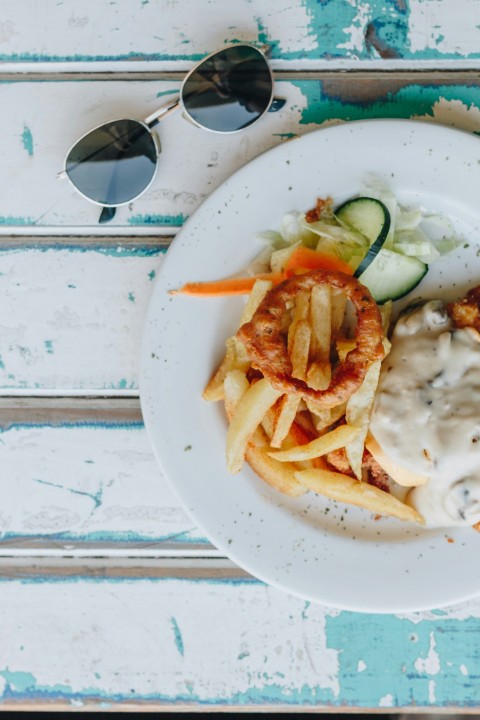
x=386, y=246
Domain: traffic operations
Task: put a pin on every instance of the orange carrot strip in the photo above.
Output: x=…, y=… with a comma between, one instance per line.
x=306, y=259
x=230, y=286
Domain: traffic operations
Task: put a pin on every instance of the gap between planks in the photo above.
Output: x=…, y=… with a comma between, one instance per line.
x=111, y=568
x=61, y=410
x=176, y=70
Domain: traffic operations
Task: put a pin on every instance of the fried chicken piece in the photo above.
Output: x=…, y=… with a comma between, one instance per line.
x=339, y=462
x=373, y=473
x=323, y=210
x=376, y=475
x=466, y=312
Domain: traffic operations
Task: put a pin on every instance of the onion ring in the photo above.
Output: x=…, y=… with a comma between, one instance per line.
x=268, y=352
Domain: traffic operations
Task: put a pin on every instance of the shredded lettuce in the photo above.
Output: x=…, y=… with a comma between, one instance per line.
x=412, y=233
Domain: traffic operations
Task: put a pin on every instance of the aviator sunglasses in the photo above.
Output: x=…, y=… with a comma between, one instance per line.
x=226, y=92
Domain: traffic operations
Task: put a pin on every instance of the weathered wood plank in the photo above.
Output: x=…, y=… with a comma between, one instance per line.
x=71, y=319
x=87, y=484
x=193, y=162
x=224, y=643
x=155, y=31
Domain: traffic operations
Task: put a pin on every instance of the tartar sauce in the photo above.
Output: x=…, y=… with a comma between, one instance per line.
x=426, y=415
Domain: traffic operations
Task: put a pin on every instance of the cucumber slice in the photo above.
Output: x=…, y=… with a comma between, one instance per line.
x=369, y=217
x=392, y=275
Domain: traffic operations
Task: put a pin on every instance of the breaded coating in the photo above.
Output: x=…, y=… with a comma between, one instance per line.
x=466, y=312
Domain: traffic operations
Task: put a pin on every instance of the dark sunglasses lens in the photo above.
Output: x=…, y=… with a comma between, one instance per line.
x=114, y=163
x=230, y=90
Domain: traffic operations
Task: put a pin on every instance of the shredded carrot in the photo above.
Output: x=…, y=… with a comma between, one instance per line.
x=230, y=286
x=301, y=260
x=304, y=259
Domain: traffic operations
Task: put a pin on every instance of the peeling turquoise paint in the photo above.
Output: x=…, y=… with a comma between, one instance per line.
x=100, y=424
x=17, y=680
x=186, y=537
x=383, y=24
x=167, y=92
x=95, y=497
x=177, y=636
x=2, y=364
x=391, y=652
x=160, y=220
x=104, y=247
x=391, y=657
x=124, y=384
x=16, y=220
x=49, y=346
x=27, y=140
x=326, y=102
x=131, y=297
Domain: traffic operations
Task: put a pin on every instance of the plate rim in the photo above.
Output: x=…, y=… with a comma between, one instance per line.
x=162, y=274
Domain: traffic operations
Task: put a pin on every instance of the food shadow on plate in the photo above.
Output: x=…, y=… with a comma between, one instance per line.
x=346, y=521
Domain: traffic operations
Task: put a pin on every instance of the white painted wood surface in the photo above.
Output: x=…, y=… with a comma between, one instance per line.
x=36, y=140
x=163, y=641
x=89, y=486
x=77, y=477
x=147, y=34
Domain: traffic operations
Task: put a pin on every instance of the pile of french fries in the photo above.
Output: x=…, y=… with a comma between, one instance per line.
x=285, y=439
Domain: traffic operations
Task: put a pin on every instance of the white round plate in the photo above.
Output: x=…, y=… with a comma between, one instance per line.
x=321, y=551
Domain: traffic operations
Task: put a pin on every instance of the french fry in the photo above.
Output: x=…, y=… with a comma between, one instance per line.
x=359, y=407
x=235, y=387
x=233, y=360
x=386, y=314
x=343, y=488
x=339, y=303
x=324, y=417
x=319, y=373
x=279, y=258
x=300, y=312
x=333, y=440
x=344, y=346
x=300, y=349
x=320, y=319
x=285, y=418
x=280, y=476
x=357, y=413
x=236, y=356
x=247, y=416
x=258, y=292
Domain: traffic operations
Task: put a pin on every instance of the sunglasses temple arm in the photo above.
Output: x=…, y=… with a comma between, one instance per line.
x=162, y=113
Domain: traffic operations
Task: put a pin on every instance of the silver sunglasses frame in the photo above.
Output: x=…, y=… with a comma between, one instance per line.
x=156, y=141
x=154, y=118
x=164, y=111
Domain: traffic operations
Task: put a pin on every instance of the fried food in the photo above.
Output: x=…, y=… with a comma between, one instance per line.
x=466, y=312
x=265, y=345
x=279, y=427
x=343, y=488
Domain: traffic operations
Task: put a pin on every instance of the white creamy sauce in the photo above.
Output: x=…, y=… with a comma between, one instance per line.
x=426, y=415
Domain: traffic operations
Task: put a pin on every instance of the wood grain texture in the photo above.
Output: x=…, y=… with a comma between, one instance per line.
x=73, y=318
x=87, y=486
x=231, y=643
x=155, y=31
x=192, y=162
x=110, y=598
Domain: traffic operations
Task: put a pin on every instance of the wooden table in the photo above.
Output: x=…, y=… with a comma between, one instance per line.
x=109, y=596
